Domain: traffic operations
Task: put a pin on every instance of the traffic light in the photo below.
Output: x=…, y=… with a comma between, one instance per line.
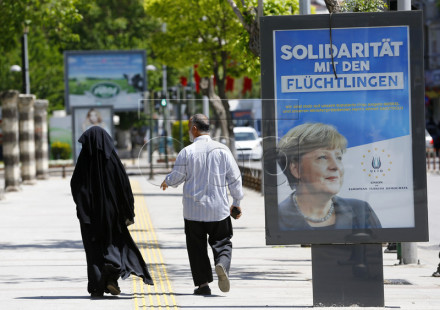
x=163, y=101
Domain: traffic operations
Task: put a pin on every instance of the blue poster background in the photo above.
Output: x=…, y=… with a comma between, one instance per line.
x=367, y=115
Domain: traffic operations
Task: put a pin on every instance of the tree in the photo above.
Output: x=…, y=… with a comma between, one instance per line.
x=206, y=33
x=335, y=6
x=53, y=17
x=117, y=25
x=248, y=13
x=363, y=6
x=49, y=25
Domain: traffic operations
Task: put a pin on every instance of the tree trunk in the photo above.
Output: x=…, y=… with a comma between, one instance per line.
x=222, y=110
x=333, y=6
x=252, y=27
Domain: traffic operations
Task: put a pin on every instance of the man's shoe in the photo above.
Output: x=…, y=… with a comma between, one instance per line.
x=436, y=274
x=204, y=290
x=113, y=288
x=223, y=279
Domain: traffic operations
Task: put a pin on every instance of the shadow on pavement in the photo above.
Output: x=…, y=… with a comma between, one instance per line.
x=55, y=244
x=129, y=296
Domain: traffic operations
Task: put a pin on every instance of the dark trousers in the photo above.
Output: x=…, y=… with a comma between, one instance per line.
x=218, y=235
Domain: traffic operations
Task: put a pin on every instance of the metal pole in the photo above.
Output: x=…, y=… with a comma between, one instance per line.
x=25, y=63
x=409, y=249
x=179, y=115
x=304, y=7
x=165, y=137
x=150, y=143
x=206, y=105
x=260, y=10
x=191, y=103
x=403, y=5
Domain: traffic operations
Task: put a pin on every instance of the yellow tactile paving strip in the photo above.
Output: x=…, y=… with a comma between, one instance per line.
x=161, y=295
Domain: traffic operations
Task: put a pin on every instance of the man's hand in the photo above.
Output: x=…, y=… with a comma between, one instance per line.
x=164, y=185
x=238, y=215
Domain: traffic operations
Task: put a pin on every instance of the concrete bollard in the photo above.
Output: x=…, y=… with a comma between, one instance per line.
x=409, y=253
x=26, y=131
x=11, y=151
x=41, y=143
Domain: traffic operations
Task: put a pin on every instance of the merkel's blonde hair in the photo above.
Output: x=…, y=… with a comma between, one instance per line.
x=306, y=138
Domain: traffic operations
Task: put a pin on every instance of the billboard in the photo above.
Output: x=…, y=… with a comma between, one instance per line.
x=344, y=116
x=94, y=78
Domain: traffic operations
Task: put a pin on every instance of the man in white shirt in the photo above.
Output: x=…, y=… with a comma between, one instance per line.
x=207, y=168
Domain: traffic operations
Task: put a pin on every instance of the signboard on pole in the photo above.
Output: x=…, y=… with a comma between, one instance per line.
x=344, y=123
x=94, y=78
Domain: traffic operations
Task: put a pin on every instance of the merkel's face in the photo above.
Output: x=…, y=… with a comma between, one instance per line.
x=321, y=171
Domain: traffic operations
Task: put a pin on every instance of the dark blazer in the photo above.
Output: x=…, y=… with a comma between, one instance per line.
x=350, y=214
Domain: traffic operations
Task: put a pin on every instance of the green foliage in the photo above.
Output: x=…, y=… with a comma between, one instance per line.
x=363, y=6
x=111, y=24
x=58, y=25
x=249, y=12
x=52, y=17
x=142, y=120
x=175, y=134
x=197, y=32
x=61, y=150
x=278, y=7
x=48, y=23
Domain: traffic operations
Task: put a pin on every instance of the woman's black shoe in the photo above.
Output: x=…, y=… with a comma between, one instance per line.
x=204, y=290
x=96, y=295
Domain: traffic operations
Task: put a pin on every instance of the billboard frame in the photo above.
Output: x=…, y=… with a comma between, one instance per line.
x=77, y=132
x=68, y=105
x=414, y=21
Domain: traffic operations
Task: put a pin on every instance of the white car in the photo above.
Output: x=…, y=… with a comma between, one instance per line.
x=247, y=143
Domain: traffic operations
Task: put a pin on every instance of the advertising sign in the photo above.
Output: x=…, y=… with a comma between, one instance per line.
x=85, y=117
x=95, y=78
x=346, y=120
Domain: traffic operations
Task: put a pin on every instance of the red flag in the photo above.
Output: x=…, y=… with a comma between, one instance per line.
x=229, y=83
x=197, y=79
x=183, y=81
x=247, y=85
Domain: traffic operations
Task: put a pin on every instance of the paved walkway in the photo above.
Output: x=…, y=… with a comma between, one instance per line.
x=42, y=262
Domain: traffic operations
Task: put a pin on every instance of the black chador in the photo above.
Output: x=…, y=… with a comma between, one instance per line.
x=105, y=205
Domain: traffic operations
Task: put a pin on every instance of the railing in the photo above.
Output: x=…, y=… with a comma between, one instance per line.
x=432, y=160
x=251, y=178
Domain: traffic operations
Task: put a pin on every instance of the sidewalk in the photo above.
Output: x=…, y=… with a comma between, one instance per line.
x=42, y=262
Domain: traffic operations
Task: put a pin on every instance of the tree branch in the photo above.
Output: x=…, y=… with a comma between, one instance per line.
x=332, y=6
x=239, y=15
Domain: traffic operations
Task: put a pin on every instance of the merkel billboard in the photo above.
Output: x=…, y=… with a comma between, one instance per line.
x=95, y=78
x=344, y=120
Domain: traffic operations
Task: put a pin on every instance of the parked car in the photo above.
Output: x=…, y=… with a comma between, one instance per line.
x=247, y=143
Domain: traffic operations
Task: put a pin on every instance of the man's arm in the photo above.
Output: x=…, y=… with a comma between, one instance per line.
x=178, y=175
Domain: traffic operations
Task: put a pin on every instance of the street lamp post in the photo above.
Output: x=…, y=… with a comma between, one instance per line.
x=25, y=61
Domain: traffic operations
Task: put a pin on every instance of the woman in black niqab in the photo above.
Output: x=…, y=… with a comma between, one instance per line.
x=105, y=205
